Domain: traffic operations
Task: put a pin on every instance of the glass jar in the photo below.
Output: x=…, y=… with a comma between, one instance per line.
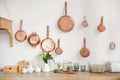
x=70, y=67
x=65, y=65
x=76, y=66
x=83, y=68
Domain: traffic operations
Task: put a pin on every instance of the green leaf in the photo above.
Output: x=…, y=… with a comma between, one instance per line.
x=48, y=56
x=40, y=56
x=45, y=56
x=45, y=60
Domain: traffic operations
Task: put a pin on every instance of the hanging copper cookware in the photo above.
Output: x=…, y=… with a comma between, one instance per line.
x=112, y=45
x=48, y=43
x=33, y=39
x=20, y=35
x=101, y=27
x=58, y=50
x=84, y=52
x=65, y=23
x=84, y=22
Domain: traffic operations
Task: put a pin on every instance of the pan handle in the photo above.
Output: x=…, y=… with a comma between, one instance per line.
x=66, y=8
x=101, y=19
x=21, y=21
x=84, y=42
x=58, y=42
x=47, y=31
x=84, y=17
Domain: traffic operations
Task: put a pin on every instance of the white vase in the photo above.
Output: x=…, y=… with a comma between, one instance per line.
x=46, y=68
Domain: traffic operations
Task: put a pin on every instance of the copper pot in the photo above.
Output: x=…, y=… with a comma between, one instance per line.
x=65, y=23
x=84, y=52
x=33, y=39
x=20, y=35
x=48, y=43
x=101, y=27
x=58, y=50
x=84, y=22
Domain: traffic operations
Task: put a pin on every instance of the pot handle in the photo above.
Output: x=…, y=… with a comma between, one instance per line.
x=84, y=42
x=58, y=42
x=21, y=21
x=66, y=8
x=47, y=31
x=101, y=19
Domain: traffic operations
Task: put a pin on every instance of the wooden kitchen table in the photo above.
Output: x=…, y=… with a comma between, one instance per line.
x=58, y=76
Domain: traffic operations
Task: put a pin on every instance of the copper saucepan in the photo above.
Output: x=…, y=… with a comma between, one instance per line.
x=84, y=22
x=65, y=23
x=48, y=43
x=58, y=50
x=84, y=52
x=101, y=27
x=20, y=35
x=33, y=39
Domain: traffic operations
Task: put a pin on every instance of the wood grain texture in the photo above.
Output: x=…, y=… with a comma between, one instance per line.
x=6, y=24
x=55, y=76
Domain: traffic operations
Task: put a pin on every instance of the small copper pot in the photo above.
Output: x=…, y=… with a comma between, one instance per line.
x=84, y=22
x=101, y=27
x=84, y=52
x=33, y=39
x=58, y=50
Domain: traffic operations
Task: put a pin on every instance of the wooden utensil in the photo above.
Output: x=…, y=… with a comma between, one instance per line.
x=20, y=34
x=84, y=22
x=33, y=39
x=101, y=27
x=65, y=23
x=58, y=50
x=84, y=52
x=48, y=43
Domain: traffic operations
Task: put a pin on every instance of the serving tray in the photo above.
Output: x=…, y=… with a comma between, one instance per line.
x=65, y=72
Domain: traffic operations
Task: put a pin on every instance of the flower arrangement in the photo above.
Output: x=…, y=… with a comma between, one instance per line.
x=45, y=56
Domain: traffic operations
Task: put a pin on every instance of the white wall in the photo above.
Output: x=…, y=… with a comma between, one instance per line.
x=37, y=14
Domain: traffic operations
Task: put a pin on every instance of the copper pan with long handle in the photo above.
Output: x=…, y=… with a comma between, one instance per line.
x=101, y=27
x=20, y=35
x=84, y=52
x=66, y=23
x=84, y=22
x=58, y=50
x=48, y=43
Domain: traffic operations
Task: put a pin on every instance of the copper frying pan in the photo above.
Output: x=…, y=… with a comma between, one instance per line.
x=84, y=52
x=84, y=22
x=58, y=50
x=101, y=27
x=65, y=23
x=48, y=44
x=33, y=39
x=20, y=35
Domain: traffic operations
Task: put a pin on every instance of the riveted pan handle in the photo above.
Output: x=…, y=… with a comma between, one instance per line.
x=66, y=8
x=84, y=42
x=21, y=21
x=47, y=31
x=101, y=19
x=58, y=42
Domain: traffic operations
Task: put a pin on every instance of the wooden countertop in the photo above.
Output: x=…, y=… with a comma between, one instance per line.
x=57, y=76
